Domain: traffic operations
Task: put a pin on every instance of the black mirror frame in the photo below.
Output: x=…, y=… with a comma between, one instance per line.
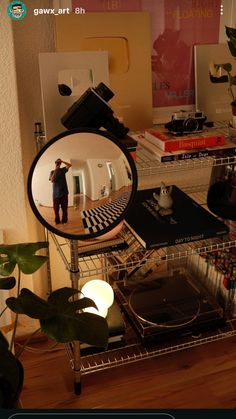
x=42, y=151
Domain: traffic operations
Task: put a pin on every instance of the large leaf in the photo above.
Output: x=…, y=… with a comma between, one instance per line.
x=7, y=283
x=226, y=66
x=233, y=80
x=9, y=374
x=59, y=317
x=230, y=32
x=232, y=48
x=23, y=255
x=85, y=327
x=60, y=297
x=30, y=304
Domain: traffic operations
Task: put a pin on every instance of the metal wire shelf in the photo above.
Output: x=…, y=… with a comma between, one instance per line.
x=135, y=255
x=147, y=165
x=138, y=352
x=131, y=348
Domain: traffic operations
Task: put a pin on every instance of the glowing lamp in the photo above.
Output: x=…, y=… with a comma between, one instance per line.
x=101, y=293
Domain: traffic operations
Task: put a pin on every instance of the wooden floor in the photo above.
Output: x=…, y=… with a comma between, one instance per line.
x=82, y=202
x=201, y=377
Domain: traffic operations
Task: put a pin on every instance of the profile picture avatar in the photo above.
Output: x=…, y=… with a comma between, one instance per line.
x=16, y=10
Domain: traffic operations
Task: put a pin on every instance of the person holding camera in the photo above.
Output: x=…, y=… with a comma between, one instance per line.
x=60, y=190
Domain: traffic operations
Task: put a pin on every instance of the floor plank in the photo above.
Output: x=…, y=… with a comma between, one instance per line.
x=200, y=377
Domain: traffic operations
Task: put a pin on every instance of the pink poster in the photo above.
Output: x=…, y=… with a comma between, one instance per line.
x=176, y=26
x=108, y=5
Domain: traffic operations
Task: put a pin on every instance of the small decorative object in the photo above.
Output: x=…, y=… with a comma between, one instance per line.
x=164, y=199
x=228, y=68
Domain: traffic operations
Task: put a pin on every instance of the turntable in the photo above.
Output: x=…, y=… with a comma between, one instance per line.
x=170, y=305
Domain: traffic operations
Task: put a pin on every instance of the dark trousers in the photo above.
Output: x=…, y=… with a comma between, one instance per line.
x=62, y=203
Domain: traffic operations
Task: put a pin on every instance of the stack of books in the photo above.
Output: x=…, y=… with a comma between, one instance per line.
x=97, y=246
x=167, y=147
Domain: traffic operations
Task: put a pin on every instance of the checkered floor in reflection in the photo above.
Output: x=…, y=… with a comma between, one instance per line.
x=98, y=218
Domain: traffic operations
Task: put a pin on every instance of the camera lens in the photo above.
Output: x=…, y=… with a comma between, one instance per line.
x=103, y=91
x=191, y=125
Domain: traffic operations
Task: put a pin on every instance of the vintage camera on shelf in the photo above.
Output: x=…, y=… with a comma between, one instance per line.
x=91, y=110
x=185, y=122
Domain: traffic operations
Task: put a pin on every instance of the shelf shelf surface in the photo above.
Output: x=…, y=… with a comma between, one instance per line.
x=138, y=352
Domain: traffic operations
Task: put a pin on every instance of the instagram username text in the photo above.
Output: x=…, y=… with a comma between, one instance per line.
x=56, y=12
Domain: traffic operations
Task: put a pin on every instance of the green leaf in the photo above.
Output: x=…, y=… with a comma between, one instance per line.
x=30, y=304
x=232, y=80
x=232, y=48
x=59, y=317
x=3, y=341
x=231, y=33
x=61, y=296
x=9, y=371
x=85, y=327
x=7, y=283
x=23, y=255
x=226, y=66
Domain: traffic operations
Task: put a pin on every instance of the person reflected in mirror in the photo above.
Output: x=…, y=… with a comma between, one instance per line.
x=60, y=190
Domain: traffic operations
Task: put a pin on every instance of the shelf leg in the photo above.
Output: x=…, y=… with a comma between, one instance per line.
x=77, y=368
x=74, y=276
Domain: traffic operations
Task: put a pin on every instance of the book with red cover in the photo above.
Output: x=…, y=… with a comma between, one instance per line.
x=228, y=149
x=166, y=141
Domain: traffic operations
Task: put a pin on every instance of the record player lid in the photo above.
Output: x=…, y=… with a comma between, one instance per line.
x=166, y=302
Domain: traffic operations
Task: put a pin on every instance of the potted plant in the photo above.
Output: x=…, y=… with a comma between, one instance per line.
x=61, y=316
x=228, y=68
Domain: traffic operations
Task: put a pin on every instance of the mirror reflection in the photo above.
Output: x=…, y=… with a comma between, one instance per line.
x=81, y=183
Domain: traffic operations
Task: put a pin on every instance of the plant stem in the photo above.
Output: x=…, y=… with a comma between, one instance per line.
x=16, y=317
x=3, y=311
x=18, y=354
x=231, y=91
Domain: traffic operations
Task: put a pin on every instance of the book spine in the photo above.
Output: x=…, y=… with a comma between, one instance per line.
x=197, y=154
x=187, y=239
x=105, y=249
x=169, y=144
x=196, y=237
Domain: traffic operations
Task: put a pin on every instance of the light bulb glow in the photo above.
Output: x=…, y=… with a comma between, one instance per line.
x=101, y=293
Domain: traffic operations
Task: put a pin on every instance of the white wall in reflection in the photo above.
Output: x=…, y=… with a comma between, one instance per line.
x=98, y=168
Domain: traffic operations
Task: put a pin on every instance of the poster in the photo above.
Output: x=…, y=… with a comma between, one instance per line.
x=176, y=26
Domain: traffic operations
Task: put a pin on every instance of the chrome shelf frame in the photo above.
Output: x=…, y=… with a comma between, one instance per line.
x=136, y=255
x=124, y=262
x=148, y=166
x=135, y=352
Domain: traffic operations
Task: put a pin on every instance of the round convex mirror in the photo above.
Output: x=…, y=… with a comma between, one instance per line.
x=81, y=183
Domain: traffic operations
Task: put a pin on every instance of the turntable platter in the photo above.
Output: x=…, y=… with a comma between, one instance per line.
x=165, y=302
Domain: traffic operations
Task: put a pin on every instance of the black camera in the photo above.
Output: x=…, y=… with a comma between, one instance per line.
x=184, y=122
x=92, y=110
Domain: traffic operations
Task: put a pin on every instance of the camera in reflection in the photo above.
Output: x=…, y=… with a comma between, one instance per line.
x=92, y=110
x=184, y=122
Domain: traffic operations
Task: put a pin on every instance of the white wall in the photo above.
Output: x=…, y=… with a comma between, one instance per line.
x=32, y=35
x=13, y=220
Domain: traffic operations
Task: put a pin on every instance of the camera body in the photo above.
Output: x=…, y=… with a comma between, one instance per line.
x=92, y=110
x=184, y=122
